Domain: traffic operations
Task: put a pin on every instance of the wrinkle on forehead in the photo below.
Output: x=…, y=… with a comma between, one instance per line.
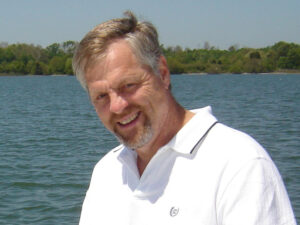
x=119, y=58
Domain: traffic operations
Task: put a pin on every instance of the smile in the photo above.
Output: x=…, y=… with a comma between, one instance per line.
x=130, y=119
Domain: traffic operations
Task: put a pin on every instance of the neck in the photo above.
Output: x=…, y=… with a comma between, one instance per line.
x=177, y=117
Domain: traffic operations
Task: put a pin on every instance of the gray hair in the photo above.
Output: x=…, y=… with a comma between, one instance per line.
x=141, y=36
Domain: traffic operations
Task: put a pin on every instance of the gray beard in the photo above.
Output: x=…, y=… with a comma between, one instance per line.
x=141, y=140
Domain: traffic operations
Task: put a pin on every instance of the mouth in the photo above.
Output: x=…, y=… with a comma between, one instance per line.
x=130, y=120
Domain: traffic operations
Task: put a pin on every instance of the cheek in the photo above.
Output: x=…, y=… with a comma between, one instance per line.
x=155, y=99
x=104, y=117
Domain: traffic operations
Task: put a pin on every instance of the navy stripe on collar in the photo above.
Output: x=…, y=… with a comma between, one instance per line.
x=203, y=136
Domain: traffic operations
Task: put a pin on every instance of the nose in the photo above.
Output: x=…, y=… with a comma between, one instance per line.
x=117, y=103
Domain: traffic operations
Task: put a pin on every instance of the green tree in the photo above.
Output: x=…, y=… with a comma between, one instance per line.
x=16, y=67
x=175, y=66
x=236, y=67
x=54, y=50
x=282, y=48
x=3, y=67
x=57, y=65
x=255, y=55
x=69, y=47
x=293, y=58
x=68, y=66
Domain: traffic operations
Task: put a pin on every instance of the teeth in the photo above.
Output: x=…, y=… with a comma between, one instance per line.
x=128, y=120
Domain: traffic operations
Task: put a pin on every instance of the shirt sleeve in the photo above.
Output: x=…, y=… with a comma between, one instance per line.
x=255, y=196
x=87, y=214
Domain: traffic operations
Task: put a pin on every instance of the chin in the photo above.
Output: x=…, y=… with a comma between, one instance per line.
x=140, y=140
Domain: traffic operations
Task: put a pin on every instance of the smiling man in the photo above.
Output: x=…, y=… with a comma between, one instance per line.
x=127, y=96
x=174, y=166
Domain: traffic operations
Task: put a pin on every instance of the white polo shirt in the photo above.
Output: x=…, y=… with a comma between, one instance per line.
x=207, y=174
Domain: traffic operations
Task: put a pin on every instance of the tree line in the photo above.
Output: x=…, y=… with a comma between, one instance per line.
x=24, y=59
x=281, y=56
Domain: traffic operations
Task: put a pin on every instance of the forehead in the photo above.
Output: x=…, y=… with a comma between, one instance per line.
x=119, y=58
x=119, y=66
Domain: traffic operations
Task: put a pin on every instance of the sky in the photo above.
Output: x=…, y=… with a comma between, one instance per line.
x=187, y=23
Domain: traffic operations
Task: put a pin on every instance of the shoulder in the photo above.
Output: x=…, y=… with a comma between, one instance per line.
x=232, y=142
x=230, y=151
x=224, y=140
x=107, y=165
x=110, y=156
x=249, y=179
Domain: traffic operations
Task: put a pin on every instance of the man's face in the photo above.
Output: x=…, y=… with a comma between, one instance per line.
x=131, y=101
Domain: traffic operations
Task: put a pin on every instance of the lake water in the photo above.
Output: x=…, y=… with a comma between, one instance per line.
x=51, y=138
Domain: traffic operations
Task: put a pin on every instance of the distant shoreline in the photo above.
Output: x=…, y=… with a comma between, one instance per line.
x=271, y=73
x=191, y=74
x=40, y=75
x=280, y=58
x=294, y=72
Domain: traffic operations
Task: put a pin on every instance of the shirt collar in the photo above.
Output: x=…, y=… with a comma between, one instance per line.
x=193, y=131
x=183, y=142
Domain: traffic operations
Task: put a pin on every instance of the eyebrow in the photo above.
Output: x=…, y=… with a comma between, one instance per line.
x=130, y=78
x=102, y=88
x=123, y=80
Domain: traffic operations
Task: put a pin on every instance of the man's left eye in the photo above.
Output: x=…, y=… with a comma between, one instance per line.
x=130, y=85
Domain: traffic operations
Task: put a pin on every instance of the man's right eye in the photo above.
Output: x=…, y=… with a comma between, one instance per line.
x=101, y=96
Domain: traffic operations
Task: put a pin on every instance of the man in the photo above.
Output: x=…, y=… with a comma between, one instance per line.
x=174, y=166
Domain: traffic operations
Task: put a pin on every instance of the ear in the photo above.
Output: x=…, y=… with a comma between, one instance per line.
x=164, y=72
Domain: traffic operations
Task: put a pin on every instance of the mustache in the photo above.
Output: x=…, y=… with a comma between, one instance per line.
x=117, y=117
